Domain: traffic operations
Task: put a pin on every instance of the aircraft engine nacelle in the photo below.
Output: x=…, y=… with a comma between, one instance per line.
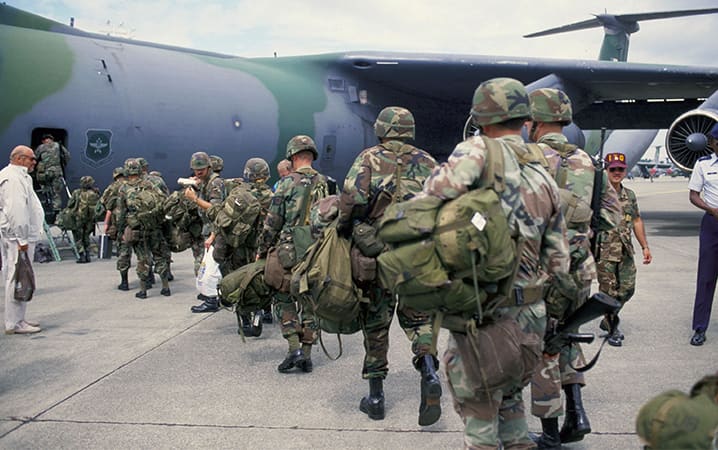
x=687, y=138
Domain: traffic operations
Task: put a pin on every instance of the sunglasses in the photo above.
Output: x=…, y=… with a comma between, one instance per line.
x=617, y=169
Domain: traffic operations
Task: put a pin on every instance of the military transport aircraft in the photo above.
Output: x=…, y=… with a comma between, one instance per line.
x=109, y=98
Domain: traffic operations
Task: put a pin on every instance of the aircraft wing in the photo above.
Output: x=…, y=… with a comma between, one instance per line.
x=604, y=93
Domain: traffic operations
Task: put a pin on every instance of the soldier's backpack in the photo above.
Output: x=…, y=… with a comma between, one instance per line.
x=456, y=256
x=145, y=207
x=237, y=217
x=245, y=290
x=86, y=203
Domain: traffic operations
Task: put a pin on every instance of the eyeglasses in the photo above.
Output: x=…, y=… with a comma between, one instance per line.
x=617, y=169
x=28, y=157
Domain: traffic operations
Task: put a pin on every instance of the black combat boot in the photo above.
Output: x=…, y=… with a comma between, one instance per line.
x=550, y=438
x=81, y=258
x=124, y=285
x=211, y=304
x=373, y=404
x=87, y=257
x=430, y=406
x=142, y=293
x=165, y=288
x=291, y=360
x=576, y=424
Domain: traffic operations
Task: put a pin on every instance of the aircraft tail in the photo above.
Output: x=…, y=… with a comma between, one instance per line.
x=618, y=28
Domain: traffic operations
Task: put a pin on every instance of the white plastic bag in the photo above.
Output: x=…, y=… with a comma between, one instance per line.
x=208, y=275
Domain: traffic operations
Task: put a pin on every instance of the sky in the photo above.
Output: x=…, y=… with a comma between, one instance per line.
x=481, y=27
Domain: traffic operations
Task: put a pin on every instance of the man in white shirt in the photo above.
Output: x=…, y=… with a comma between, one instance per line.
x=704, y=179
x=21, y=218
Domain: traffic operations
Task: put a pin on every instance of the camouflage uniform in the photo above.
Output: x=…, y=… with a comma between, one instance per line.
x=616, y=266
x=373, y=174
x=83, y=228
x=147, y=243
x=531, y=204
x=574, y=172
x=51, y=161
x=212, y=190
x=289, y=209
x=111, y=200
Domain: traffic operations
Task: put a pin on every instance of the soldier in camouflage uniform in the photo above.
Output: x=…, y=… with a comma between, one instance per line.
x=531, y=203
x=84, y=197
x=158, y=182
x=52, y=157
x=210, y=192
x=616, y=266
x=111, y=201
x=289, y=208
x=574, y=173
x=145, y=239
x=371, y=179
x=217, y=164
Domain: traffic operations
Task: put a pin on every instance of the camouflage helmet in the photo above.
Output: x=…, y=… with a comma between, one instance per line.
x=132, y=167
x=87, y=181
x=498, y=100
x=143, y=162
x=216, y=162
x=256, y=169
x=118, y=172
x=395, y=122
x=200, y=160
x=301, y=143
x=550, y=105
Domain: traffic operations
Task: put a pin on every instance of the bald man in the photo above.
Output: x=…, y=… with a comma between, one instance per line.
x=21, y=218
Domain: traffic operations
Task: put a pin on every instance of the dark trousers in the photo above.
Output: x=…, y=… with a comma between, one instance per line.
x=707, y=272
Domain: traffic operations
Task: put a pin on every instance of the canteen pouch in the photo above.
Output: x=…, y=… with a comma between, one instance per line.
x=364, y=237
x=363, y=267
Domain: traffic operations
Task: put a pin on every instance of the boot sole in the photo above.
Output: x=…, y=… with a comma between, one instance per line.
x=575, y=437
x=372, y=414
x=430, y=410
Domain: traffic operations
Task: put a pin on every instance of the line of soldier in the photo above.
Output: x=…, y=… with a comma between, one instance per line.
x=548, y=204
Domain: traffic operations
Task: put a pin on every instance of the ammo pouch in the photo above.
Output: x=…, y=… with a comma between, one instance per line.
x=497, y=355
x=365, y=238
x=293, y=245
x=363, y=267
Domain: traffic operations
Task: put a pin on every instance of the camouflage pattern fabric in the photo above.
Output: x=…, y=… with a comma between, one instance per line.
x=374, y=172
x=110, y=199
x=288, y=206
x=616, y=266
x=531, y=204
x=150, y=245
x=395, y=122
x=211, y=191
x=49, y=170
x=574, y=173
x=158, y=182
x=498, y=100
x=84, y=225
x=551, y=105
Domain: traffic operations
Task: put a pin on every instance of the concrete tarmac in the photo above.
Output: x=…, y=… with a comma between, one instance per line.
x=110, y=371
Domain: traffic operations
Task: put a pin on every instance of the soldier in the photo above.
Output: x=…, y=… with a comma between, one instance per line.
x=158, y=182
x=217, y=164
x=616, y=267
x=140, y=213
x=210, y=191
x=530, y=201
x=52, y=157
x=574, y=172
x=284, y=167
x=82, y=204
x=373, y=175
x=111, y=201
x=289, y=209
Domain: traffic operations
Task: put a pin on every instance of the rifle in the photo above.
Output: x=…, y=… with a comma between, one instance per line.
x=597, y=192
x=599, y=304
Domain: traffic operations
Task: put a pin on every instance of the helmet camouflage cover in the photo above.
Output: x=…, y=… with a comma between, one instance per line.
x=395, y=122
x=143, y=162
x=301, y=143
x=132, y=167
x=217, y=163
x=256, y=169
x=498, y=100
x=118, y=172
x=87, y=181
x=550, y=105
x=199, y=160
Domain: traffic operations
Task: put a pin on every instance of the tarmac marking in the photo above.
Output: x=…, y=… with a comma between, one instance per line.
x=34, y=418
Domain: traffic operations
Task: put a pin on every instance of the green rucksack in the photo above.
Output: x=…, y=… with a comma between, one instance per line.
x=456, y=256
x=86, y=203
x=145, y=207
x=245, y=289
x=237, y=217
x=323, y=280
